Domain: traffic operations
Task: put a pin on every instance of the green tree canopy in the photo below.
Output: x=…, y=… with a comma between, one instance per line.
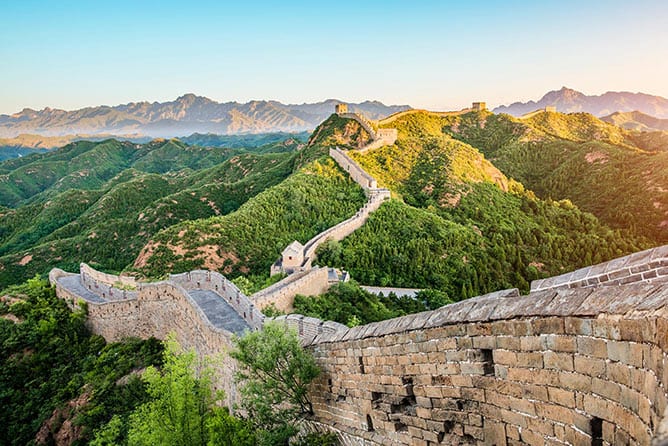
x=275, y=372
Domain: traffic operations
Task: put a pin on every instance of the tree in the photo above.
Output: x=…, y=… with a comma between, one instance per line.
x=181, y=402
x=275, y=372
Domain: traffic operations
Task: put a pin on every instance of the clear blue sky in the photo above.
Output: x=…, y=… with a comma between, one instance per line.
x=433, y=54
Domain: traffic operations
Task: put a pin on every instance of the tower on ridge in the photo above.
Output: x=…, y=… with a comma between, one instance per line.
x=341, y=108
x=479, y=106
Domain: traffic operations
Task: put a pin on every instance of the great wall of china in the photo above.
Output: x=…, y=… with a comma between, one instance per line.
x=581, y=360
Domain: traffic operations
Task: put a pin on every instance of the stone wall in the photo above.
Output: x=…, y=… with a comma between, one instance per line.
x=645, y=266
x=578, y=366
x=108, y=279
x=346, y=227
x=384, y=137
x=308, y=328
x=282, y=294
x=158, y=309
x=395, y=116
x=538, y=112
x=354, y=170
x=365, y=123
x=104, y=285
x=214, y=281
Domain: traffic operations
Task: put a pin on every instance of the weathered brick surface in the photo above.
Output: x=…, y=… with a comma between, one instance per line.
x=552, y=368
x=541, y=376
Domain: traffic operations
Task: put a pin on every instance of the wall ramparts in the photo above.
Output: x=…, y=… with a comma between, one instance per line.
x=581, y=365
x=108, y=279
x=354, y=170
x=308, y=328
x=103, y=284
x=214, y=281
x=282, y=294
x=538, y=112
x=346, y=227
x=567, y=366
x=157, y=310
x=646, y=266
x=393, y=117
x=365, y=123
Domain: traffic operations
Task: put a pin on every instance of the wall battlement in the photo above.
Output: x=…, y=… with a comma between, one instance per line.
x=645, y=266
x=562, y=365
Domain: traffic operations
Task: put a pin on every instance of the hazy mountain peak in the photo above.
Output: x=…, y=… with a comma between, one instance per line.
x=568, y=100
x=185, y=115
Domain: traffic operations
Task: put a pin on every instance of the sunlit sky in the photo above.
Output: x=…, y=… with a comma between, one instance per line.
x=432, y=54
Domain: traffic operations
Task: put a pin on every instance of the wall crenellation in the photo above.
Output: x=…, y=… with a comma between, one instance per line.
x=503, y=369
x=646, y=266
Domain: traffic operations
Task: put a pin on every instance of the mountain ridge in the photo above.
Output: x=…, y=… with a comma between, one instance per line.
x=185, y=115
x=567, y=100
x=636, y=120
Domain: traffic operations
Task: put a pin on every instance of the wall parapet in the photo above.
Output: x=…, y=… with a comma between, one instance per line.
x=645, y=266
x=311, y=282
x=108, y=279
x=308, y=328
x=566, y=366
x=214, y=281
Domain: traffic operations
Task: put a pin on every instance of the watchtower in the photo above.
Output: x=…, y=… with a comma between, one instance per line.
x=479, y=106
x=341, y=109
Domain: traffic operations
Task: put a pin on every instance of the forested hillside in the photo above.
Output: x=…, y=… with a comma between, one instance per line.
x=482, y=202
x=101, y=202
x=618, y=175
x=460, y=225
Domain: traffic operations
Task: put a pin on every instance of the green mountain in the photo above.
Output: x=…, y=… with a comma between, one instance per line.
x=101, y=202
x=481, y=202
x=615, y=174
x=458, y=224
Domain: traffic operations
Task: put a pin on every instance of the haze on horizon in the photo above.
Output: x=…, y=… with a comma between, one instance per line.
x=431, y=54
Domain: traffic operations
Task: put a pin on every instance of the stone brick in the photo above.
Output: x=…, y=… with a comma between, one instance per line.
x=578, y=326
x=589, y=366
x=530, y=343
x=592, y=347
x=562, y=397
x=558, y=361
x=486, y=342
x=596, y=406
x=575, y=381
x=508, y=342
x=558, y=343
x=495, y=433
x=619, y=373
x=553, y=325
x=619, y=351
x=605, y=388
x=505, y=357
x=534, y=360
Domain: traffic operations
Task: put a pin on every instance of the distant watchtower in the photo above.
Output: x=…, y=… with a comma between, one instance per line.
x=341, y=109
x=479, y=106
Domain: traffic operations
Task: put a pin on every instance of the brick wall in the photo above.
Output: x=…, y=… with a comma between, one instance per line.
x=580, y=366
x=645, y=266
x=282, y=294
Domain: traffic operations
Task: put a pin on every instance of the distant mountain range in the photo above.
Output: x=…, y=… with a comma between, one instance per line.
x=636, y=120
x=186, y=115
x=567, y=100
